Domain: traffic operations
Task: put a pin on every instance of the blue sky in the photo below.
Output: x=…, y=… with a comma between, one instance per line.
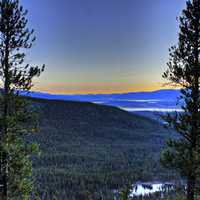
x=102, y=46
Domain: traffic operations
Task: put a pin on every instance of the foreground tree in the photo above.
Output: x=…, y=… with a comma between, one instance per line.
x=183, y=71
x=15, y=113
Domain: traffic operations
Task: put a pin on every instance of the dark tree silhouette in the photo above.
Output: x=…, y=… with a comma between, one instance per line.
x=183, y=71
x=15, y=152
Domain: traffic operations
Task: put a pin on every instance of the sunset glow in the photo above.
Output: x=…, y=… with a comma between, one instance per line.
x=103, y=46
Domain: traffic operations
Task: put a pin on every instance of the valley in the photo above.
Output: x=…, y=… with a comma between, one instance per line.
x=90, y=150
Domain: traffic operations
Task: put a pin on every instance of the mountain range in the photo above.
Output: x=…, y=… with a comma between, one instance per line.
x=169, y=95
x=147, y=104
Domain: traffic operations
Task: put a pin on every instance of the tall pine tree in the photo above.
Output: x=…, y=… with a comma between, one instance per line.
x=15, y=113
x=183, y=71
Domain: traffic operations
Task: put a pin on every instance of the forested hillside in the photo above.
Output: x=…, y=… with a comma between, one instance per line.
x=87, y=150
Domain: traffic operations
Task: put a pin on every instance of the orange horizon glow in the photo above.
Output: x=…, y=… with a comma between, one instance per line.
x=107, y=90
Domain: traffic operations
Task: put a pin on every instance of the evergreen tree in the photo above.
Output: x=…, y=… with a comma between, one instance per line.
x=183, y=154
x=125, y=193
x=16, y=115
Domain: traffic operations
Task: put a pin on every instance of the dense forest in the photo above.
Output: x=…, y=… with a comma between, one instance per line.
x=89, y=150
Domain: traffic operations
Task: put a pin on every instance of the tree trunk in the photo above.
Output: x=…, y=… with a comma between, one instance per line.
x=191, y=188
x=6, y=114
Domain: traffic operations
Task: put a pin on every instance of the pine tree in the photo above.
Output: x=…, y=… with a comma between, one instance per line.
x=125, y=193
x=183, y=154
x=16, y=114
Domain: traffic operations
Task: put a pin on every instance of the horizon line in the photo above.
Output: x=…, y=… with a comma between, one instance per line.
x=101, y=93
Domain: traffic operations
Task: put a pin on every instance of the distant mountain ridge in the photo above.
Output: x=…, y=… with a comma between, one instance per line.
x=170, y=95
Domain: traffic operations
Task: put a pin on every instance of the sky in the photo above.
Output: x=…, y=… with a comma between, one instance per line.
x=102, y=46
